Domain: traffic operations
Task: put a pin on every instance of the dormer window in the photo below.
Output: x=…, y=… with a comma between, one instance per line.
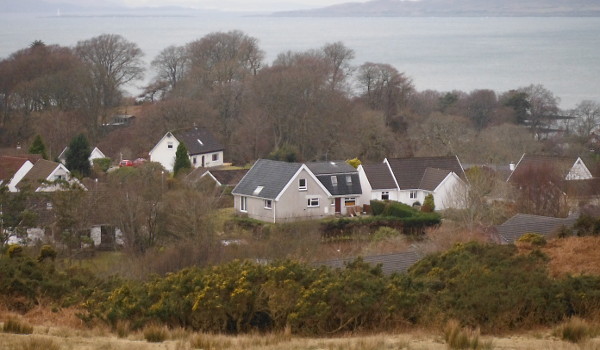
x=334, y=180
x=302, y=185
x=349, y=179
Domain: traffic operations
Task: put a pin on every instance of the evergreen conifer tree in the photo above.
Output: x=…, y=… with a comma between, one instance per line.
x=182, y=160
x=78, y=154
x=38, y=147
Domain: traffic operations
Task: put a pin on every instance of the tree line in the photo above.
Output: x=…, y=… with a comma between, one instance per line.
x=316, y=104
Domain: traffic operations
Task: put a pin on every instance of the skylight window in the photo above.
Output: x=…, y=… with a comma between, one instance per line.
x=257, y=190
x=334, y=180
x=200, y=142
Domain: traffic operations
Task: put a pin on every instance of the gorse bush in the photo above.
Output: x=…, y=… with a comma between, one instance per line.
x=535, y=239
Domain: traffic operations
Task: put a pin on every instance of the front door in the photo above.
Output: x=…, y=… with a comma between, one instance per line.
x=338, y=205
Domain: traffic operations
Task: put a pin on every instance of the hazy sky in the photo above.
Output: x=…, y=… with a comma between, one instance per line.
x=226, y=5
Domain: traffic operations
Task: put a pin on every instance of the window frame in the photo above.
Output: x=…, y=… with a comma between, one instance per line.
x=215, y=157
x=386, y=194
x=244, y=204
x=268, y=204
x=413, y=194
x=349, y=200
x=302, y=187
x=170, y=144
x=311, y=202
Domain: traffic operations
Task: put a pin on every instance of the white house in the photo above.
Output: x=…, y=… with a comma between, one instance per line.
x=275, y=191
x=567, y=168
x=96, y=153
x=410, y=180
x=45, y=175
x=203, y=149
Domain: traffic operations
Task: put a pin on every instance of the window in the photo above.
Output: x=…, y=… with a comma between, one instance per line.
x=215, y=157
x=243, y=204
x=200, y=142
x=268, y=204
x=334, y=180
x=169, y=144
x=313, y=202
x=349, y=179
x=59, y=177
x=349, y=202
x=302, y=185
x=194, y=160
x=413, y=194
x=257, y=190
x=385, y=196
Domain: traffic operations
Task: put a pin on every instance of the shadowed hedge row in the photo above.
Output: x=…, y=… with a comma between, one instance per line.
x=488, y=286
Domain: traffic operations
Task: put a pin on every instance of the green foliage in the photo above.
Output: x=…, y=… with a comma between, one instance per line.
x=15, y=251
x=182, y=159
x=15, y=215
x=534, y=239
x=38, y=147
x=384, y=233
x=285, y=153
x=102, y=163
x=47, y=252
x=428, y=204
x=377, y=207
x=398, y=210
x=355, y=162
x=77, y=157
x=587, y=225
x=17, y=327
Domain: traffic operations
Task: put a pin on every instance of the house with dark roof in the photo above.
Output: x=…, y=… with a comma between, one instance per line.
x=221, y=177
x=203, y=148
x=277, y=191
x=563, y=168
x=520, y=224
x=12, y=170
x=410, y=180
x=45, y=176
x=96, y=153
x=390, y=263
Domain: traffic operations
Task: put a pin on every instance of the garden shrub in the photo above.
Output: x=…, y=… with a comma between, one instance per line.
x=398, y=210
x=428, y=204
x=102, y=163
x=377, y=207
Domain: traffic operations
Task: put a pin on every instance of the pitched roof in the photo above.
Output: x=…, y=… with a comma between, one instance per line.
x=40, y=172
x=531, y=162
x=198, y=140
x=342, y=186
x=379, y=176
x=409, y=172
x=9, y=166
x=390, y=263
x=520, y=224
x=432, y=178
x=270, y=174
x=331, y=167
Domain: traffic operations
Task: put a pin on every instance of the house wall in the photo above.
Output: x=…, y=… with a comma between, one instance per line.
x=164, y=155
x=208, y=162
x=404, y=196
x=579, y=171
x=450, y=193
x=292, y=204
x=368, y=193
x=12, y=185
x=96, y=154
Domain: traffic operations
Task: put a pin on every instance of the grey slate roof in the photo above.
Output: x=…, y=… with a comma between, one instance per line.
x=343, y=187
x=208, y=143
x=332, y=167
x=272, y=175
x=520, y=224
x=226, y=177
x=432, y=178
x=532, y=163
x=379, y=176
x=390, y=263
x=409, y=172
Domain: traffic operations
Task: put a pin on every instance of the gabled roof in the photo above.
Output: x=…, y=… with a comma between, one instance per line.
x=342, y=186
x=410, y=172
x=9, y=166
x=41, y=170
x=379, y=176
x=532, y=163
x=198, y=140
x=227, y=177
x=272, y=175
x=331, y=167
x=432, y=178
x=390, y=263
x=520, y=224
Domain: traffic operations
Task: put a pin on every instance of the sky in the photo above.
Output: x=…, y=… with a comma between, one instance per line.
x=224, y=5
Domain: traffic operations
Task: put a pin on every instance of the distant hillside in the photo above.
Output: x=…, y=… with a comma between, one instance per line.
x=455, y=8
